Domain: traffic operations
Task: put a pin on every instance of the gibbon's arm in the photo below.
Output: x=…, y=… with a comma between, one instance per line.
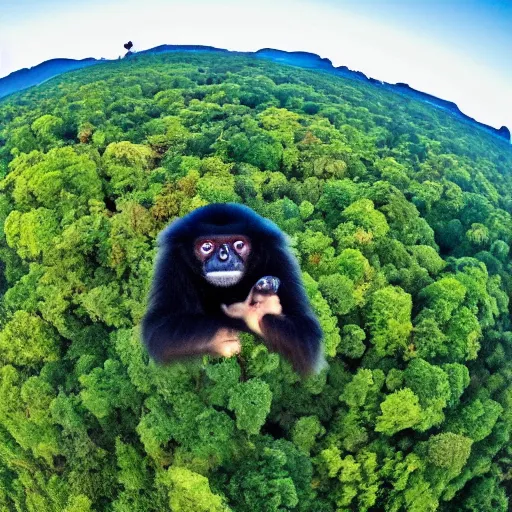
x=175, y=336
x=296, y=335
x=298, y=338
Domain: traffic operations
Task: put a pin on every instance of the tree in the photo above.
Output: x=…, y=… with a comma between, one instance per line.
x=428, y=258
x=389, y=318
x=305, y=431
x=251, y=403
x=337, y=195
x=27, y=340
x=429, y=340
x=190, y=492
x=400, y=410
x=486, y=495
x=443, y=297
x=31, y=234
x=352, y=341
x=354, y=265
x=449, y=451
x=338, y=291
x=48, y=129
x=363, y=214
x=274, y=476
x=107, y=389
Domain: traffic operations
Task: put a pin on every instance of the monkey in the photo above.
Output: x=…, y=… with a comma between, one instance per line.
x=223, y=269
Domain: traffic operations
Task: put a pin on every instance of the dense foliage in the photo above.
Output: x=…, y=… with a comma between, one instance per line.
x=401, y=218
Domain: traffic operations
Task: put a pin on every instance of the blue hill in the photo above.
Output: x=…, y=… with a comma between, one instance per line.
x=28, y=77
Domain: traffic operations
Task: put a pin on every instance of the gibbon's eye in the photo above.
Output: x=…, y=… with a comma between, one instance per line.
x=239, y=245
x=206, y=247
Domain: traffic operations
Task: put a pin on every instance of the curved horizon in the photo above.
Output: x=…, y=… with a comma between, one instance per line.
x=456, y=50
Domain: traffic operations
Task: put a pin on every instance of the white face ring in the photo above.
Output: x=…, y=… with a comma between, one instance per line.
x=225, y=278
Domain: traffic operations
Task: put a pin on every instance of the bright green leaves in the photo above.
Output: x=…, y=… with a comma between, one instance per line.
x=362, y=396
x=216, y=432
x=443, y=297
x=27, y=340
x=31, y=234
x=476, y=419
x=393, y=172
x=251, y=401
x=400, y=410
x=420, y=404
x=190, y=492
x=464, y=333
x=356, y=476
x=355, y=392
x=431, y=385
x=132, y=467
x=458, y=377
x=225, y=376
x=155, y=429
x=216, y=184
x=63, y=180
x=337, y=195
x=48, y=129
x=279, y=119
x=354, y=265
x=102, y=303
x=80, y=503
x=329, y=461
x=126, y=166
x=25, y=414
x=429, y=340
x=426, y=194
x=328, y=321
x=338, y=290
x=363, y=214
x=167, y=133
x=389, y=318
x=362, y=225
x=317, y=252
x=478, y=234
x=428, y=258
x=457, y=309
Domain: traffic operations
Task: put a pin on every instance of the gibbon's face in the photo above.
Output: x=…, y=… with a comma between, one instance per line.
x=223, y=258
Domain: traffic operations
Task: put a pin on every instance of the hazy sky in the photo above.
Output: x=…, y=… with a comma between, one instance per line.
x=459, y=50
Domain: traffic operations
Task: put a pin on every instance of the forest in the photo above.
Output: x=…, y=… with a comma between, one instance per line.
x=401, y=219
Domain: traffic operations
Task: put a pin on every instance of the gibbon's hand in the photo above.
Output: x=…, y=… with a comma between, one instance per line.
x=225, y=343
x=254, y=308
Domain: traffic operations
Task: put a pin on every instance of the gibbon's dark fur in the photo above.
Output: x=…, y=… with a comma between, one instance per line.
x=184, y=310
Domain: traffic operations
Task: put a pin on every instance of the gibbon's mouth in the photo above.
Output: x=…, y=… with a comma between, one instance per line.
x=225, y=278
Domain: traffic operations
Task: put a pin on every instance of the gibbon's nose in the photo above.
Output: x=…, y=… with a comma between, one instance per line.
x=223, y=253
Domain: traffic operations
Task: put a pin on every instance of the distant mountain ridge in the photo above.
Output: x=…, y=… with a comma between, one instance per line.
x=36, y=75
x=28, y=77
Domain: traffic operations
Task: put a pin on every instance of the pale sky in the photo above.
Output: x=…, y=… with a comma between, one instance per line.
x=458, y=50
